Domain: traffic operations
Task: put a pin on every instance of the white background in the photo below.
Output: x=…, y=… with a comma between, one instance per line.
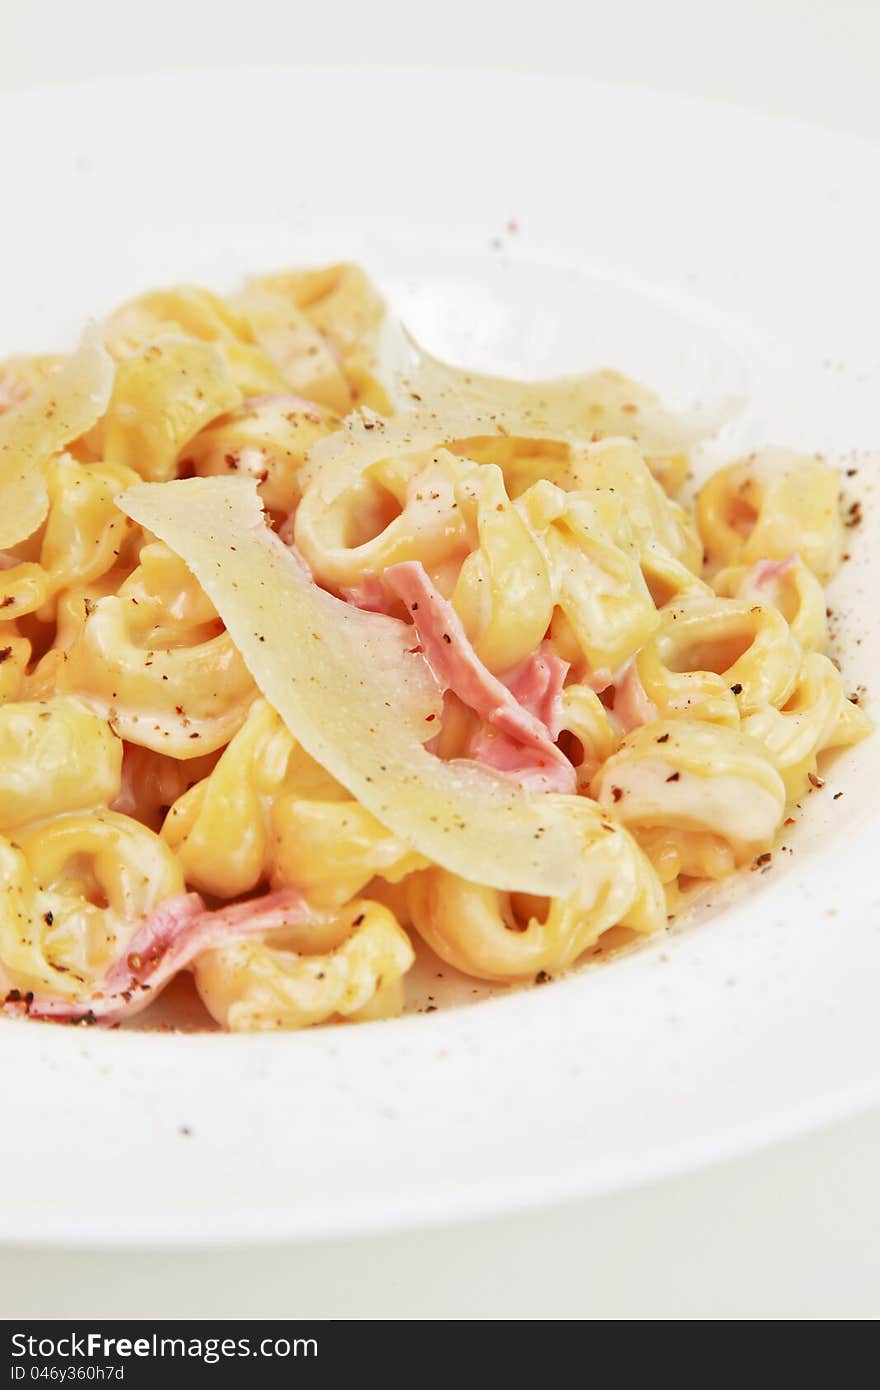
x=792, y=1232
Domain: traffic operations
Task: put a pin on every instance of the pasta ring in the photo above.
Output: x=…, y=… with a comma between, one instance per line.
x=769, y=506
x=484, y=932
x=251, y=986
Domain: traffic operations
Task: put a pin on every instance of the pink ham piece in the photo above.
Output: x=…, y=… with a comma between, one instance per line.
x=169, y=940
x=599, y=680
x=136, y=763
x=537, y=685
x=516, y=741
x=632, y=708
x=528, y=765
x=767, y=572
x=370, y=594
x=12, y=393
x=285, y=530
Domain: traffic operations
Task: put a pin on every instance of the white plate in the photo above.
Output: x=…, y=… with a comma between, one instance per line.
x=522, y=224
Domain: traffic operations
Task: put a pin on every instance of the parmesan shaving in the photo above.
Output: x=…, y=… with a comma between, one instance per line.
x=62, y=408
x=352, y=688
x=572, y=408
x=439, y=404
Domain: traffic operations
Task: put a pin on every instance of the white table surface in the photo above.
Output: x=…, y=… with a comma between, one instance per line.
x=793, y=1232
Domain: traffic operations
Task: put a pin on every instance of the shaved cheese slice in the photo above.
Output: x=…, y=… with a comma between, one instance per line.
x=61, y=409
x=468, y=405
x=605, y=402
x=353, y=690
x=366, y=439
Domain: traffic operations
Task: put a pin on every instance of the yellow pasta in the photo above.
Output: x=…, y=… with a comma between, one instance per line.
x=769, y=506
x=502, y=936
x=186, y=312
x=595, y=573
x=61, y=407
x=670, y=550
x=303, y=359
x=154, y=661
x=504, y=591
x=84, y=535
x=24, y=587
x=315, y=649
x=689, y=777
x=15, y=652
x=75, y=888
x=286, y=819
x=355, y=971
x=816, y=716
x=55, y=756
x=718, y=659
x=341, y=304
x=587, y=720
x=268, y=439
x=162, y=397
x=790, y=586
x=406, y=509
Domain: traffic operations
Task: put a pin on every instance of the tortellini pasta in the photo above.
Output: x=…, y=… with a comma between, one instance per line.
x=686, y=778
x=717, y=659
x=772, y=505
x=268, y=439
x=596, y=578
x=816, y=716
x=153, y=659
x=162, y=397
x=384, y=515
x=345, y=313
x=75, y=888
x=504, y=592
x=15, y=651
x=790, y=586
x=352, y=971
x=55, y=756
x=286, y=819
x=500, y=936
x=84, y=536
x=311, y=659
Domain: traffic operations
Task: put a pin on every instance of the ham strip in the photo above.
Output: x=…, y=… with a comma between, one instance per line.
x=632, y=708
x=528, y=765
x=12, y=393
x=599, y=680
x=370, y=595
x=767, y=572
x=169, y=940
x=537, y=685
x=517, y=741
